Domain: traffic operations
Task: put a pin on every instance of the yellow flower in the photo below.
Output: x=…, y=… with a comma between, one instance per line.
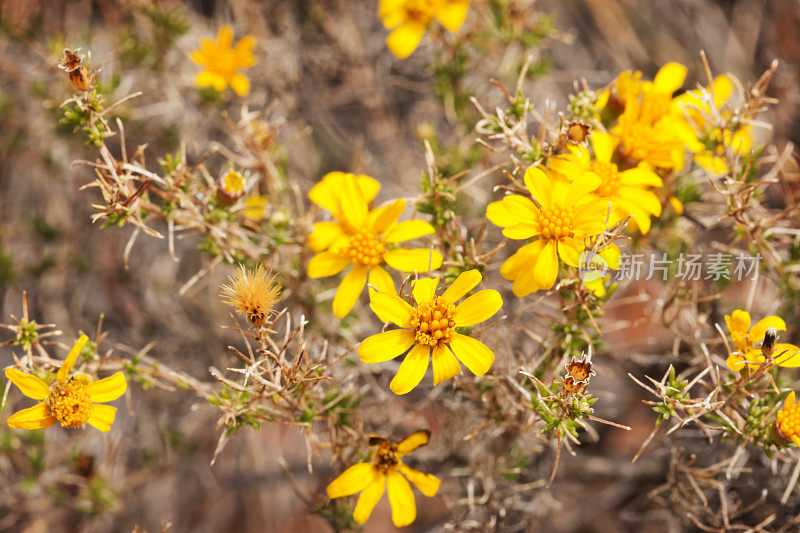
x=363, y=238
x=788, y=419
x=429, y=331
x=253, y=293
x=255, y=208
x=628, y=190
x=409, y=19
x=232, y=185
x=72, y=401
x=745, y=338
x=386, y=473
x=566, y=214
x=607, y=257
x=222, y=61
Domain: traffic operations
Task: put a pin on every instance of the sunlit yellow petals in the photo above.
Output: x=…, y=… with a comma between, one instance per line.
x=419, y=260
x=385, y=346
x=465, y=282
x=222, y=62
x=787, y=355
x=30, y=385
x=453, y=15
x=523, y=257
x=498, y=214
x=577, y=190
x=383, y=217
x=444, y=363
x=477, y=308
x=327, y=191
x=354, y=479
x=611, y=255
x=411, y=370
x=102, y=417
x=538, y=184
x=604, y=145
x=410, y=229
x=591, y=218
x=646, y=199
x=676, y=205
x=381, y=280
x=711, y=163
x=546, y=269
x=225, y=36
x=240, y=84
x=401, y=499
x=760, y=328
x=391, y=308
x=36, y=417
x=570, y=250
x=326, y=264
x=391, y=12
x=522, y=230
x=349, y=290
x=428, y=484
x=670, y=78
x=369, y=498
x=738, y=321
x=424, y=290
x=69, y=362
x=324, y=234
x=412, y=442
x=640, y=176
x=354, y=206
x=641, y=218
x=107, y=389
x=244, y=47
x=205, y=78
x=473, y=353
x=404, y=39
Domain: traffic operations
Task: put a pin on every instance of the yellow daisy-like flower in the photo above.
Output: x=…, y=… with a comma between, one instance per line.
x=72, y=401
x=386, y=473
x=232, y=185
x=745, y=339
x=788, y=419
x=564, y=215
x=628, y=190
x=364, y=238
x=429, y=330
x=222, y=61
x=409, y=19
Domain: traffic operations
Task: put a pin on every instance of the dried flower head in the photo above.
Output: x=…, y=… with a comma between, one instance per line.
x=576, y=133
x=580, y=370
x=72, y=63
x=253, y=293
x=572, y=386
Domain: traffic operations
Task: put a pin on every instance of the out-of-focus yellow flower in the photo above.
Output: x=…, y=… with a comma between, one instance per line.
x=628, y=190
x=253, y=293
x=72, y=401
x=255, y=208
x=409, y=19
x=386, y=473
x=429, y=330
x=232, y=185
x=223, y=61
x=565, y=213
x=745, y=339
x=364, y=238
x=788, y=419
x=594, y=278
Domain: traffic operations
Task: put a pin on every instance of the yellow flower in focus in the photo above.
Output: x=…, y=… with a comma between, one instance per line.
x=386, y=473
x=364, y=238
x=252, y=293
x=72, y=401
x=628, y=190
x=788, y=419
x=429, y=330
x=409, y=19
x=255, y=208
x=566, y=214
x=222, y=61
x=745, y=340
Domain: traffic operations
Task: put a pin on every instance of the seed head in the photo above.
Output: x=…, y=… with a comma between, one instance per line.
x=253, y=293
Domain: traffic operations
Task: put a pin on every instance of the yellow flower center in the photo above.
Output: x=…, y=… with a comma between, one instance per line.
x=433, y=322
x=69, y=402
x=422, y=11
x=556, y=221
x=789, y=422
x=609, y=178
x=366, y=249
x=233, y=183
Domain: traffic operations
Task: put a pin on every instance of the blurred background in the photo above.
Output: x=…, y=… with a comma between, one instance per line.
x=344, y=103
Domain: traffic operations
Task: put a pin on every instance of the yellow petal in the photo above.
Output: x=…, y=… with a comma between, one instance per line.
x=386, y=216
x=327, y=191
x=760, y=328
x=738, y=321
x=412, y=442
x=473, y=353
x=790, y=401
x=424, y=290
x=521, y=268
x=522, y=209
x=410, y=229
x=453, y=15
x=381, y=347
x=539, y=185
x=735, y=361
x=381, y=280
x=352, y=480
x=465, y=282
x=225, y=36
x=570, y=250
x=324, y=234
x=477, y=308
x=102, y=416
x=391, y=12
x=391, y=308
x=411, y=370
x=787, y=355
x=30, y=385
x=349, y=290
x=206, y=78
x=419, y=260
x=498, y=215
x=604, y=145
x=428, y=484
x=35, y=417
x=240, y=84
x=670, y=78
x=369, y=498
x=445, y=365
x=326, y=264
x=522, y=231
x=369, y=186
x=546, y=269
x=108, y=389
x=404, y=39
x=245, y=45
x=72, y=356
x=354, y=206
x=401, y=498
x=640, y=176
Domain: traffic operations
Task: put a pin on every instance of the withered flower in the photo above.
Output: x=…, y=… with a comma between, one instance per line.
x=253, y=293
